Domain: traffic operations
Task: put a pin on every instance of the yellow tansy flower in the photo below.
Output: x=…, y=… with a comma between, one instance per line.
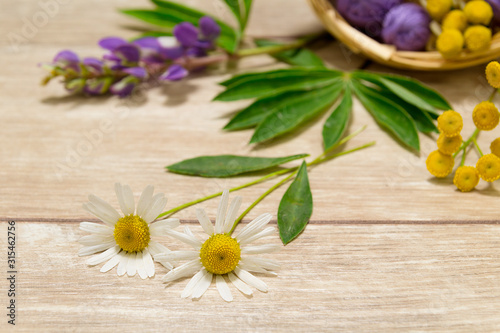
x=438, y=8
x=493, y=74
x=495, y=147
x=450, y=123
x=449, y=144
x=488, y=167
x=477, y=38
x=485, y=116
x=466, y=178
x=455, y=19
x=450, y=43
x=439, y=164
x=478, y=12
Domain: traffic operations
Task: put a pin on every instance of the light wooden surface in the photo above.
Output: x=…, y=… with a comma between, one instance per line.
x=388, y=247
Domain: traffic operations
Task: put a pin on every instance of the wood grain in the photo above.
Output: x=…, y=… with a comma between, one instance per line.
x=389, y=248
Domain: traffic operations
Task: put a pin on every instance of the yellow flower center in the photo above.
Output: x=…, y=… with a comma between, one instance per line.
x=220, y=254
x=132, y=233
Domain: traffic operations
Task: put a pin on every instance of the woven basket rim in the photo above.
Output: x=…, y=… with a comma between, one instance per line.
x=360, y=43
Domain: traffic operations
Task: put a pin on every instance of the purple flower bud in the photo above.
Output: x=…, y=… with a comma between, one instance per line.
x=93, y=64
x=407, y=27
x=209, y=28
x=150, y=43
x=128, y=53
x=75, y=85
x=186, y=34
x=66, y=57
x=138, y=72
x=125, y=86
x=170, y=48
x=98, y=86
x=366, y=15
x=111, y=43
x=174, y=73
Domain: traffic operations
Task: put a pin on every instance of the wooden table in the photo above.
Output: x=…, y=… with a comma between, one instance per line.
x=388, y=247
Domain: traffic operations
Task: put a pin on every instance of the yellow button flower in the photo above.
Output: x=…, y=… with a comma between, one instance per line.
x=450, y=123
x=485, y=116
x=495, y=147
x=488, y=167
x=477, y=38
x=449, y=144
x=466, y=178
x=450, y=43
x=478, y=12
x=438, y=8
x=455, y=19
x=439, y=164
x=493, y=74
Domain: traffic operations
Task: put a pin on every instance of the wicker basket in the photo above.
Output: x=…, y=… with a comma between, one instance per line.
x=385, y=54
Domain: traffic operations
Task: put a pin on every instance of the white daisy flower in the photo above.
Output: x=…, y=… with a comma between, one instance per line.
x=126, y=241
x=221, y=255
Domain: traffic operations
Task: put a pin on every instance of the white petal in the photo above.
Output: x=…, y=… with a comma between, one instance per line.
x=184, y=238
x=254, y=268
x=87, y=250
x=248, y=278
x=258, y=249
x=109, y=220
x=158, y=226
x=122, y=266
x=232, y=214
x=205, y=222
x=141, y=270
x=131, y=264
x=242, y=286
x=102, y=257
x=183, y=270
x=91, y=240
x=96, y=228
x=194, y=280
x=261, y=262
x=126, y=204
x=254, y=227
x=155, y=209
x=155, y=248
x=105, y=207
x=145, y=200
x=149, y=265
x=221, y=212
x=176, y=256
x=202, y=285
x=264, y=233
x=223, y=289
x=111, y=263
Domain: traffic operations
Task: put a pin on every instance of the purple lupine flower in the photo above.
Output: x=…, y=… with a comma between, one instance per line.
x=407, y=27
x=186, y=33
x=94, y=65
x=138, y=72
x=111, y=43
x=75, y=85
x=125, y=86
x=366, y=15
x=174, y=73
x=67, y=59
x=98, y=86
x=209, y=28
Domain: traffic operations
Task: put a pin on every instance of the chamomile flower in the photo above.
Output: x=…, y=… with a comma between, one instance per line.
x=222, y=256
x=126, y=240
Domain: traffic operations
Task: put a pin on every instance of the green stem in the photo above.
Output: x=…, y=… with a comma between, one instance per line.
x=275, y=48
x=477, y=147
x=466, y=144
x=492, y=95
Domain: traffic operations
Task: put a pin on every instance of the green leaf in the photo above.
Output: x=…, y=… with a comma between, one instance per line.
x=234, y=5
x=336, y=124
x=281, y=73
x=298, y=57
x=295, y=112
x=388, y=114
x=169, y=14
x=407, y=95
x=296, y=207
x=227, y=165
x=248, y=9
x=271, y=86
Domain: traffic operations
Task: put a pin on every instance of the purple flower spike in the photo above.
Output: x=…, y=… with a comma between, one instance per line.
x=186, y=34
x=407, y=27
x=124, y=87
x=66, y=57
x=366, y=15
x=174, y=73
x=148, y=43
x=111, y=43
x=128, y=53
x=209, y=28
x=93, y=64
x=138, y=72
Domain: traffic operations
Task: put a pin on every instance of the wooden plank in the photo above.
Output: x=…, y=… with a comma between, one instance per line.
x=334, y=277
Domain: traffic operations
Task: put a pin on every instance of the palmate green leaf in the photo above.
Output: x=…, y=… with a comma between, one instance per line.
x=248, y=9
x=299, y=57
x=270, y=85
x=169, y=14
x=281, y=73
x=228, y=165
x=296, y=111
x=337, y=122
x=388, y=114
x=296, y=207
x=241, y=10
